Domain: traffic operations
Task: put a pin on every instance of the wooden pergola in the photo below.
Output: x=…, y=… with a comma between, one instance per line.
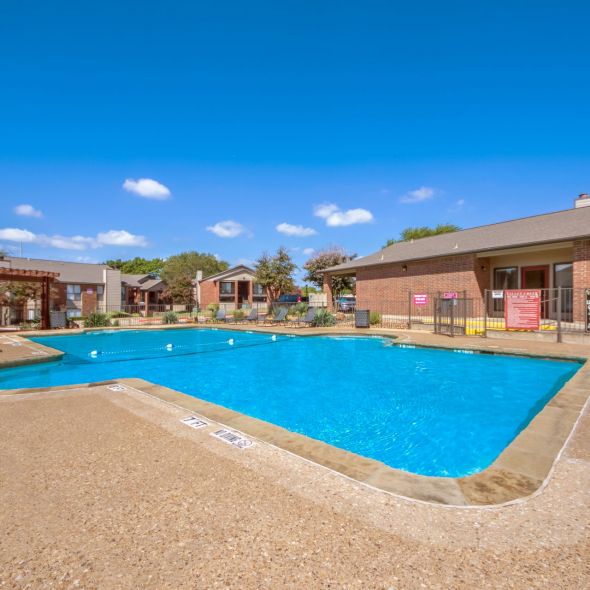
x=33, y=276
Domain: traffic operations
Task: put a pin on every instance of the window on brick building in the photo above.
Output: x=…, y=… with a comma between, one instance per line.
x=74, y=292
x=506, y=278
x=226, y=288
x=563, y=275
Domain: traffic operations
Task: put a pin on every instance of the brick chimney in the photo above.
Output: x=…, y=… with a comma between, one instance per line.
x=583, y=200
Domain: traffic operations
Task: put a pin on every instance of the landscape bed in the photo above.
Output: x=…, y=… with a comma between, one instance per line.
x=426, y=411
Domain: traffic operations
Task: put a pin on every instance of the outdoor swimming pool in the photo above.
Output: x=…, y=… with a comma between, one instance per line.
x=427, y=411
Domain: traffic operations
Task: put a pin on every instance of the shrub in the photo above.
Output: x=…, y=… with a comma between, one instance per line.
x=323, y=318
x=299, y=309
x=213, y=308
x=97, y=320
x=170, y=318
x=118, y=314
x=238, y=314
x=374, y=318
x=116, y=323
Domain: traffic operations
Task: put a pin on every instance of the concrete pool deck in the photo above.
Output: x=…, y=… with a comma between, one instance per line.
x=520, y=470
x=110, y=489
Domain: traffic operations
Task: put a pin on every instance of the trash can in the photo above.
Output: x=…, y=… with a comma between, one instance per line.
x=361, y=318
x=57, y=319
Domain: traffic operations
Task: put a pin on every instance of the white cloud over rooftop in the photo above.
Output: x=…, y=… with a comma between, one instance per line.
x=336, y=217
x=111, y=237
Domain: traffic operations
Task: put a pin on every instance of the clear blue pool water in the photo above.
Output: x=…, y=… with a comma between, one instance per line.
x=427, y=411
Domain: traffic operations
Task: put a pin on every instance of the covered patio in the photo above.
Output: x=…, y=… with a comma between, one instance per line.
x=45, y=279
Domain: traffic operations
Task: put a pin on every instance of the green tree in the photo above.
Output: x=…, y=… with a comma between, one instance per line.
x=138, y=265
x=325, y=259
x=416, y=233
x=179, y=271
x=275, y=273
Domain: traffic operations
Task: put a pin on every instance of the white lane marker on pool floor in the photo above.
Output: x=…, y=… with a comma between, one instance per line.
x=194, y=422
x=232, y=438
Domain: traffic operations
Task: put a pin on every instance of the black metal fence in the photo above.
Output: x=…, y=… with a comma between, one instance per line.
x=560, y=311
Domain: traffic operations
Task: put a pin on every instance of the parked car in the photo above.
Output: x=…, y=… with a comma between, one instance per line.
x=292, y=298
x=346, y=303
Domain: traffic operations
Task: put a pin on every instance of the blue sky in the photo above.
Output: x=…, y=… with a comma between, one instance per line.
x=335, y=122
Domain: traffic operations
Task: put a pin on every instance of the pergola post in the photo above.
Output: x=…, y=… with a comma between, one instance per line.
x=45, y=290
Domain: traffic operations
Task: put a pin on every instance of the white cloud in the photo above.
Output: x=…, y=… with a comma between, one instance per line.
x=27, y=211
x=120, y=237
x=13, y=234
x=350, y=217
x=227, y=229
x=295, y=230
x=325, y=210
x=335, y=217
x=147, y=188
x=109, y=238
x=308, y=251
x=66, y=243
x=424, y=193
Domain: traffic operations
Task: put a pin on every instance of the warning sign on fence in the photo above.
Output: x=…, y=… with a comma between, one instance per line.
x=420, y=298
x=523, y=309
x=587, y=310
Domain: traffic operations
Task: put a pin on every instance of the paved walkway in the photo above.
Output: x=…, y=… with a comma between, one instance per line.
x=108, y=489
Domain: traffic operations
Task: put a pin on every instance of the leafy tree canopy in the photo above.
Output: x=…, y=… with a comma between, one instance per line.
x=415, y=233
x=138, y=265
x=325, y=259
x=179, y=271
x=275, y=273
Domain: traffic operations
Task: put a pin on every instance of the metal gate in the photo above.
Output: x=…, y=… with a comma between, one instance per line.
x=450, y=316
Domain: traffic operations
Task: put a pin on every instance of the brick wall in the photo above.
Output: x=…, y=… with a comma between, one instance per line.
x=88, y=299
x=58, y=297
x=377, y=285
x=209, y=293
x=581, y=277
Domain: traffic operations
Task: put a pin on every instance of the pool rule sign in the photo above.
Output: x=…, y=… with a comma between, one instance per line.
x=522, y=310
x=587, y=310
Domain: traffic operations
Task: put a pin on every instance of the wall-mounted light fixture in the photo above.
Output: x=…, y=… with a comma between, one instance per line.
x=404, y=268
x=484, y=267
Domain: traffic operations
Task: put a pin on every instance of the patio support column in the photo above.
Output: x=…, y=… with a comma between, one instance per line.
x=146, y=300
x=45, y=304
x=236, y=298
x=328, y=290
x=251, y=293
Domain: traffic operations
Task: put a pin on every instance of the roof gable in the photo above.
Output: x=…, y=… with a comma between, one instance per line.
x=240, y=272
x=540, y=229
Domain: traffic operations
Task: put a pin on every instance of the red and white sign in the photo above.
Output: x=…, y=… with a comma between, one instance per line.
x=450, y=295
x=420, y=298
x=522, y=309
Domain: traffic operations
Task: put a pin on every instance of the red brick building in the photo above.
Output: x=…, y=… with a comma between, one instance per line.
x=540, y=252
x=233, y=288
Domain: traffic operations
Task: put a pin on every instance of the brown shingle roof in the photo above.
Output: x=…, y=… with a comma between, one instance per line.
x=540, y=229
x=69, y=272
